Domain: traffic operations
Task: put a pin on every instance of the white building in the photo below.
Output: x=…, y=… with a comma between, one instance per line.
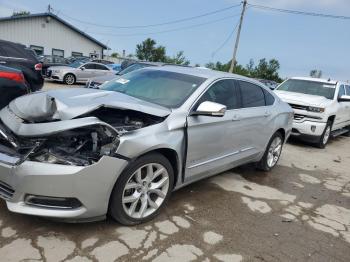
x=48, y=34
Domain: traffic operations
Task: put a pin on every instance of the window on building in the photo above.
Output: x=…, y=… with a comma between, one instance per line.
x=77, y=54
x=39, y=50
x=94, y=55
x=58, y=52
x=252, y=95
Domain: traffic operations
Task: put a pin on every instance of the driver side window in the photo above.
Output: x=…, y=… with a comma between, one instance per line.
x=222, y=92
x=341, y=91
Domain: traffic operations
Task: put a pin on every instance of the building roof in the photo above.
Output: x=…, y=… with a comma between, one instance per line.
x=10, y=18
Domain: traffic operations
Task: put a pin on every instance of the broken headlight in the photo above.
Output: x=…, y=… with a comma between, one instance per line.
x=76, y=147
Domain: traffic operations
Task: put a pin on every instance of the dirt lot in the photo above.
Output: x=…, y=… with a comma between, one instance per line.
x=298, y=212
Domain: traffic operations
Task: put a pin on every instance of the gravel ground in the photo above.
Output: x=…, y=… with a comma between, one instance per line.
x=298, y=212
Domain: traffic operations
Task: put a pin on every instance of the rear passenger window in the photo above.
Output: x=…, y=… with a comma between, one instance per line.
x=222, y=92
x=89, y=66
x=101, y=67
x=269, y=99
x=252, y=95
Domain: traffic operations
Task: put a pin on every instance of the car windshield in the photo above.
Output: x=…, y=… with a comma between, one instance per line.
x=75, y=64
x=164, y=88
x=308, y=87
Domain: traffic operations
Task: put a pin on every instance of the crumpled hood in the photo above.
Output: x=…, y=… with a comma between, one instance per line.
x=65, y=104
x=302, y=99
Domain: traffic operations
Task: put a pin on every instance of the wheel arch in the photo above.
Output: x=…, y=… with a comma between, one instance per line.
x=69, y=73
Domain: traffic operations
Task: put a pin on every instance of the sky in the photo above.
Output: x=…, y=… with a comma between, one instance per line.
x=299, y=43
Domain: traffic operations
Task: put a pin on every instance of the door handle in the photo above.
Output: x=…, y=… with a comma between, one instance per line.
x=266, y=114
x=236, y=118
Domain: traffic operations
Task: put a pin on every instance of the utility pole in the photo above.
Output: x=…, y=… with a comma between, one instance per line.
x=234, y=61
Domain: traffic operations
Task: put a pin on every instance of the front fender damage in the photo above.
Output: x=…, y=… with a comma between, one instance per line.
x=80, y=141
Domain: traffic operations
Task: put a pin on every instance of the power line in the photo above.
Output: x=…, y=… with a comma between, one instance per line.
x=297, y=12
x=170, y=30
x=225, y=42
x=154, y=25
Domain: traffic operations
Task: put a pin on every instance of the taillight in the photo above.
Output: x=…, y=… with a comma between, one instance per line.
x=38, y=66
x=18, y=77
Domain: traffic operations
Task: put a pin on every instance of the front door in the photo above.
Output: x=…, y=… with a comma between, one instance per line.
x=214, y=142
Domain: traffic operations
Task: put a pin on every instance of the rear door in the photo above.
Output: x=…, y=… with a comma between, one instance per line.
x=255, y=116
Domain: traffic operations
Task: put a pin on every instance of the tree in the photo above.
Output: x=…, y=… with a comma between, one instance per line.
x=148, y=51
x=316, y=73
x=20, y=13
x=265, y=70
x=178, y=59
x=115, y=54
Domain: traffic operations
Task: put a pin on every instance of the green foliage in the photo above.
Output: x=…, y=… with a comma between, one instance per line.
x=265, y=69
x=20, y=13
x=115, y=54
x=316, y=73
x=178, y=59
x=148, y=51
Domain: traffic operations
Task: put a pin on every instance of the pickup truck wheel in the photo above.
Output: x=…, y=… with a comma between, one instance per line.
x=69, y=79
x=272, y=153
x=142, y=190
x=325, y=135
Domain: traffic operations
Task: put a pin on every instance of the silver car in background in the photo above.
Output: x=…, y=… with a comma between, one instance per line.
x=78, y=154
x=78, y=72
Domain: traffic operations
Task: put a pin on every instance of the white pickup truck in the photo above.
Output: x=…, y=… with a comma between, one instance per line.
x=321, y=108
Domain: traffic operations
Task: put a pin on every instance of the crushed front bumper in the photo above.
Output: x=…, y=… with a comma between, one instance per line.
x=91, y=185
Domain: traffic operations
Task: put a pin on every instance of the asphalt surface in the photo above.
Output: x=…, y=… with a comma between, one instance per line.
x=300, y=211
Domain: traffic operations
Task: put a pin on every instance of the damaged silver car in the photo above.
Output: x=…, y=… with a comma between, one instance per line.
x=79, y=154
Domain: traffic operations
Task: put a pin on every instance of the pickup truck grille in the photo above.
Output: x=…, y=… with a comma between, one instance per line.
x=299, y=117
x=298, y=107
x=6, y=191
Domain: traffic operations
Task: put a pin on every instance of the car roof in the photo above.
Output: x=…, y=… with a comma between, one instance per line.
x=320, y=80
x=201, y=72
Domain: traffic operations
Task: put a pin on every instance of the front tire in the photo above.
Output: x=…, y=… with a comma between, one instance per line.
x=325, y=135
x=142, y=190
x=69, y=79
x=272, y=153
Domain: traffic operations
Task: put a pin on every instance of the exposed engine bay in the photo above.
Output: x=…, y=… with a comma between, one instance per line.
x=79, y=146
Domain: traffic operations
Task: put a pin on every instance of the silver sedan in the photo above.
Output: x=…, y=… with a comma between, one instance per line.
x=78, y=154
x=78, y=72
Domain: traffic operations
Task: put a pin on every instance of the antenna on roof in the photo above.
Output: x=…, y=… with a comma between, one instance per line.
x=329, y=79
x=49, y=8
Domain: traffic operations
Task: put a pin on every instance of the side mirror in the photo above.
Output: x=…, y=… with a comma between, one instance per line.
x=208, y=108
x=82, y=68
x=344, y=98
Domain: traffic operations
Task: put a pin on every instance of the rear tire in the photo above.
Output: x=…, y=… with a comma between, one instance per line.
x=325, y=135
x=272, y=153
x=136, y=197
x=69, y=79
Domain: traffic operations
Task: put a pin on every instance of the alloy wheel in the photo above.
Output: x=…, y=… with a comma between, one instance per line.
x=274, y=152
x=145, y=191
x=326, y=135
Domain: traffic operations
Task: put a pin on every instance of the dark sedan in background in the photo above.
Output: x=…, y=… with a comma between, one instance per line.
x=12, y=85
